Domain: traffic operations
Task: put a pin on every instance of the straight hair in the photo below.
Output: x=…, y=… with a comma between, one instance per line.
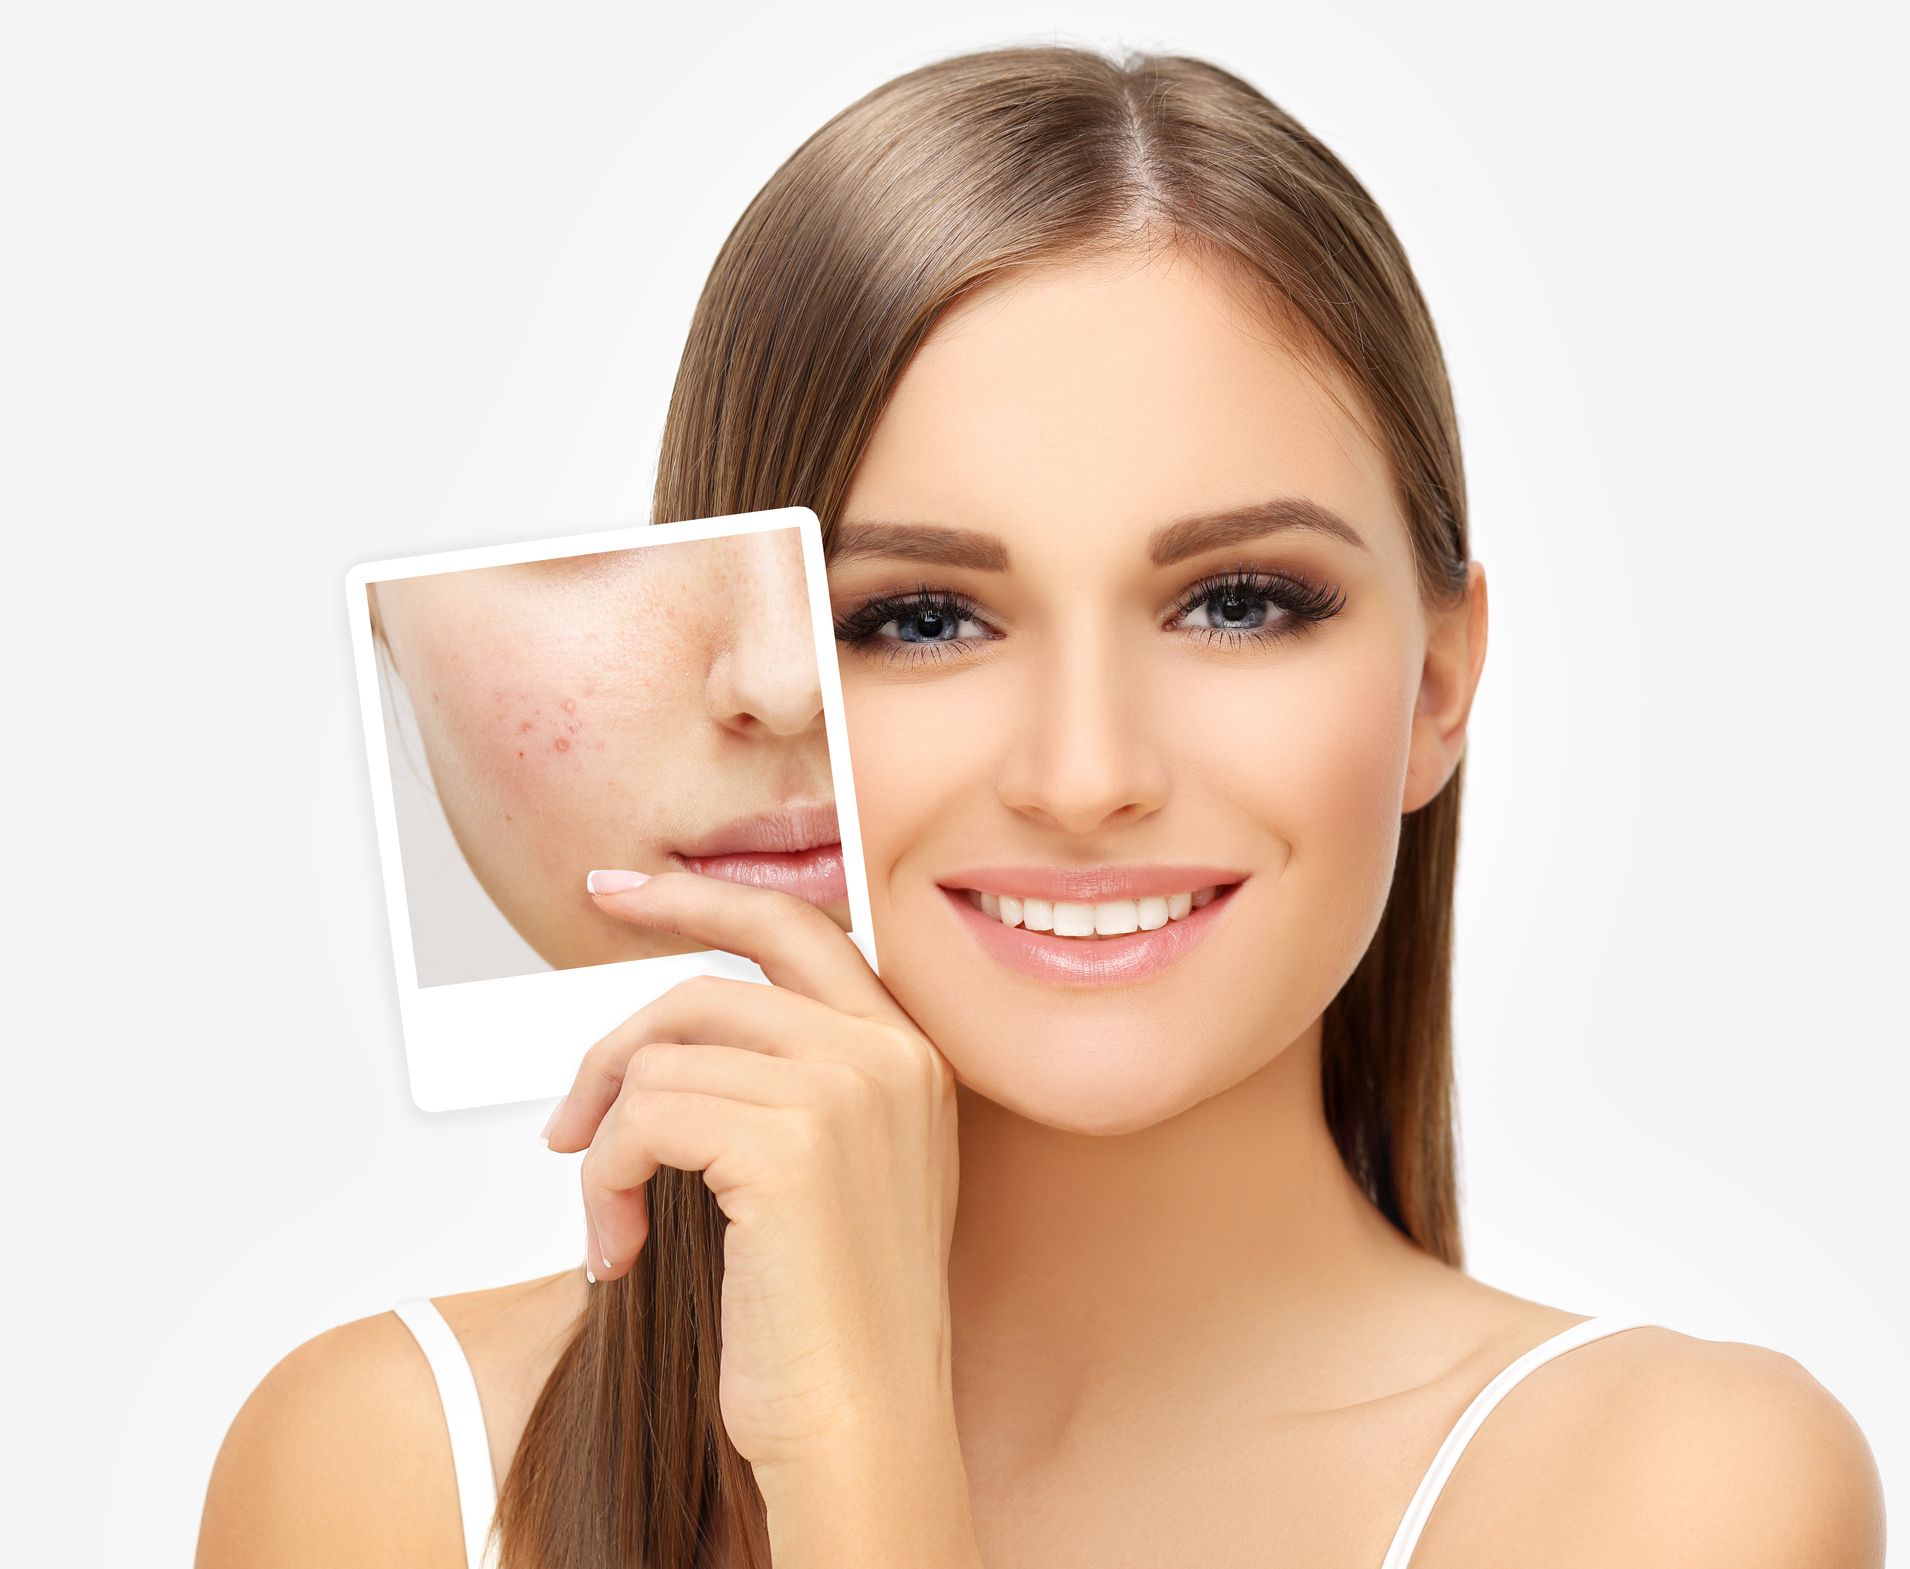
x=942, y=181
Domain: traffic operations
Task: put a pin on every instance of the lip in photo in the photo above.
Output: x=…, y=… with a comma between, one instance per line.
x=796, y=847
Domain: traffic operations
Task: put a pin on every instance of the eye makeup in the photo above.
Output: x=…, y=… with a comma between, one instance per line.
x=1243, y=606
x=939, y=610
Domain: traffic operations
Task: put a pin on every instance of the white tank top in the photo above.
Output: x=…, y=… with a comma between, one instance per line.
x=477, y=1490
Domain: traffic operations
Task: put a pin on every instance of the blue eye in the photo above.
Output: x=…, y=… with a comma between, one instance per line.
x=1242, y=606
x=926, y=624
x=1250, y=597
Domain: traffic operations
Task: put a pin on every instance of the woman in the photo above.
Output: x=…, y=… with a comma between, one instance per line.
x=658, y=704
x=1141, y=484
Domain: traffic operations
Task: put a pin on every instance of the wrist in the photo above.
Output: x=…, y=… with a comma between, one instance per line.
x=884, y=1499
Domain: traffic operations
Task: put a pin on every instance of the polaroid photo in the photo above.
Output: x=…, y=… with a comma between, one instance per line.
x=649, y=698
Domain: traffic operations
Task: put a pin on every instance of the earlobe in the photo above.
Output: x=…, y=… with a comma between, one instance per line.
x=1455, y=657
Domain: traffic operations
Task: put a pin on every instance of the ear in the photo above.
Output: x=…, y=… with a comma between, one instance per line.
x=1455, y=654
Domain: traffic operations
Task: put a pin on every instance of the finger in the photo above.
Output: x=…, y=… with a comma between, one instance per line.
x=716, y=1008
x=730, y=1142
x=596, y=1265
x=790, y=940
x=733, y=1072
x=593, y=1260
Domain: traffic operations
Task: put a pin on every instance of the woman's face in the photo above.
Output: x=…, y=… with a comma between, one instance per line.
x=627, y=709
x=1097, y=683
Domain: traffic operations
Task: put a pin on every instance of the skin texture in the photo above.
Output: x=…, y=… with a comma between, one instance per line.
x=1179, y=1330
x=603, y=710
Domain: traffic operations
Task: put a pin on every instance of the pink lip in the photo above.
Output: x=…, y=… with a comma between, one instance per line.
x=1088, y=884
x=793, y=825
x=814, y=874
x=1099, y=961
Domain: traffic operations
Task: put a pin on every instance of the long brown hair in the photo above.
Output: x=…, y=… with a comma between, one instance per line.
x=936, y=183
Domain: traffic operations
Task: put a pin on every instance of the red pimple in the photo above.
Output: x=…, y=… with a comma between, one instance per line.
x=570, y=705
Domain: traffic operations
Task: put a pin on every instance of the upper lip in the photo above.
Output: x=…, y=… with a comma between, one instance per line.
x=794, y=825
x=1088, y=884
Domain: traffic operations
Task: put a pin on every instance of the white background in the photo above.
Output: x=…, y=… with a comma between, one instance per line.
x=288, y=289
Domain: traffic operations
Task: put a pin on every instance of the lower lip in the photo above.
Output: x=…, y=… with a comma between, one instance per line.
x=1089, y=961
x=815, y=874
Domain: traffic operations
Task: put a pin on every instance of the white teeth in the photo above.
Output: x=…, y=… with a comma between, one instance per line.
x=1104, y=918
x=1073, y=920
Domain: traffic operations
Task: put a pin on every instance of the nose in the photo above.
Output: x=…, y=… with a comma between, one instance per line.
x=1085, y=756
x=763, y=674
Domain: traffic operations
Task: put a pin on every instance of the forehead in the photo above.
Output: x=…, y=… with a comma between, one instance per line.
x=1095, y=399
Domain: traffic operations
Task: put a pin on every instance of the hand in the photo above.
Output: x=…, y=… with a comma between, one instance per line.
x=823, y=1121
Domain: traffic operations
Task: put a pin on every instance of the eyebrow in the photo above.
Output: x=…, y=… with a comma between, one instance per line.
x=1192, y=536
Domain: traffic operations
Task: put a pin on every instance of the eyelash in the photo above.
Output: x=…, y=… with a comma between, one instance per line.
x=1305, y=602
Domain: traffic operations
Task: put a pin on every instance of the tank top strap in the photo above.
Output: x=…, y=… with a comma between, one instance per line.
x=1434, y=1481
x=464, y=1416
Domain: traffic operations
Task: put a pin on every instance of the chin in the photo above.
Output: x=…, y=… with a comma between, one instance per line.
x=1098, y=1085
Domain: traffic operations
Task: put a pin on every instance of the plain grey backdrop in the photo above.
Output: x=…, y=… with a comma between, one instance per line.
x=293, y=288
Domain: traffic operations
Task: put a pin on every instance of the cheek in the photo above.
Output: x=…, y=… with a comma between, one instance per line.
x=908, y=772
x=1323, y=773
x=510, y=725
x=524, y=727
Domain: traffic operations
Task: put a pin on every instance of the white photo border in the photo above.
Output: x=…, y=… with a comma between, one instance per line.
x=519, y=1038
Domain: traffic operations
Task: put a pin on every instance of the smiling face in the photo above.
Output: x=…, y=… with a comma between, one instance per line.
x=616, y=710
x=1110, y=679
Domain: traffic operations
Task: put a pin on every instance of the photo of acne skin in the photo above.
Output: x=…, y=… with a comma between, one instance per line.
x=648, y=709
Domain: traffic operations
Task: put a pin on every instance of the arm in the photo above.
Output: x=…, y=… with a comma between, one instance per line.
x=339, y=1456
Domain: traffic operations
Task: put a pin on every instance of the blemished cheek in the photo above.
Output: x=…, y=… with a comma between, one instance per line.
x=515, y=740
x=515, y=750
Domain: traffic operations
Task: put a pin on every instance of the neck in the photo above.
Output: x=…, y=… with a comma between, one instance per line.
x=1083, y=1263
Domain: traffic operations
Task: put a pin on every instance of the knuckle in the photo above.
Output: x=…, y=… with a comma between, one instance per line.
x=697, y=990
x=852, y=1091
x=805, y=1133
x=648, y=1061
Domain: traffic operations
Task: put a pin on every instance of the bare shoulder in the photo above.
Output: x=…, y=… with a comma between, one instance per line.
x=1650, y=1447
x=341, y=1454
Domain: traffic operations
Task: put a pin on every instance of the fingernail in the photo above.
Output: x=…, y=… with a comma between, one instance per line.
x=551, y=1122
x=605, y=881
